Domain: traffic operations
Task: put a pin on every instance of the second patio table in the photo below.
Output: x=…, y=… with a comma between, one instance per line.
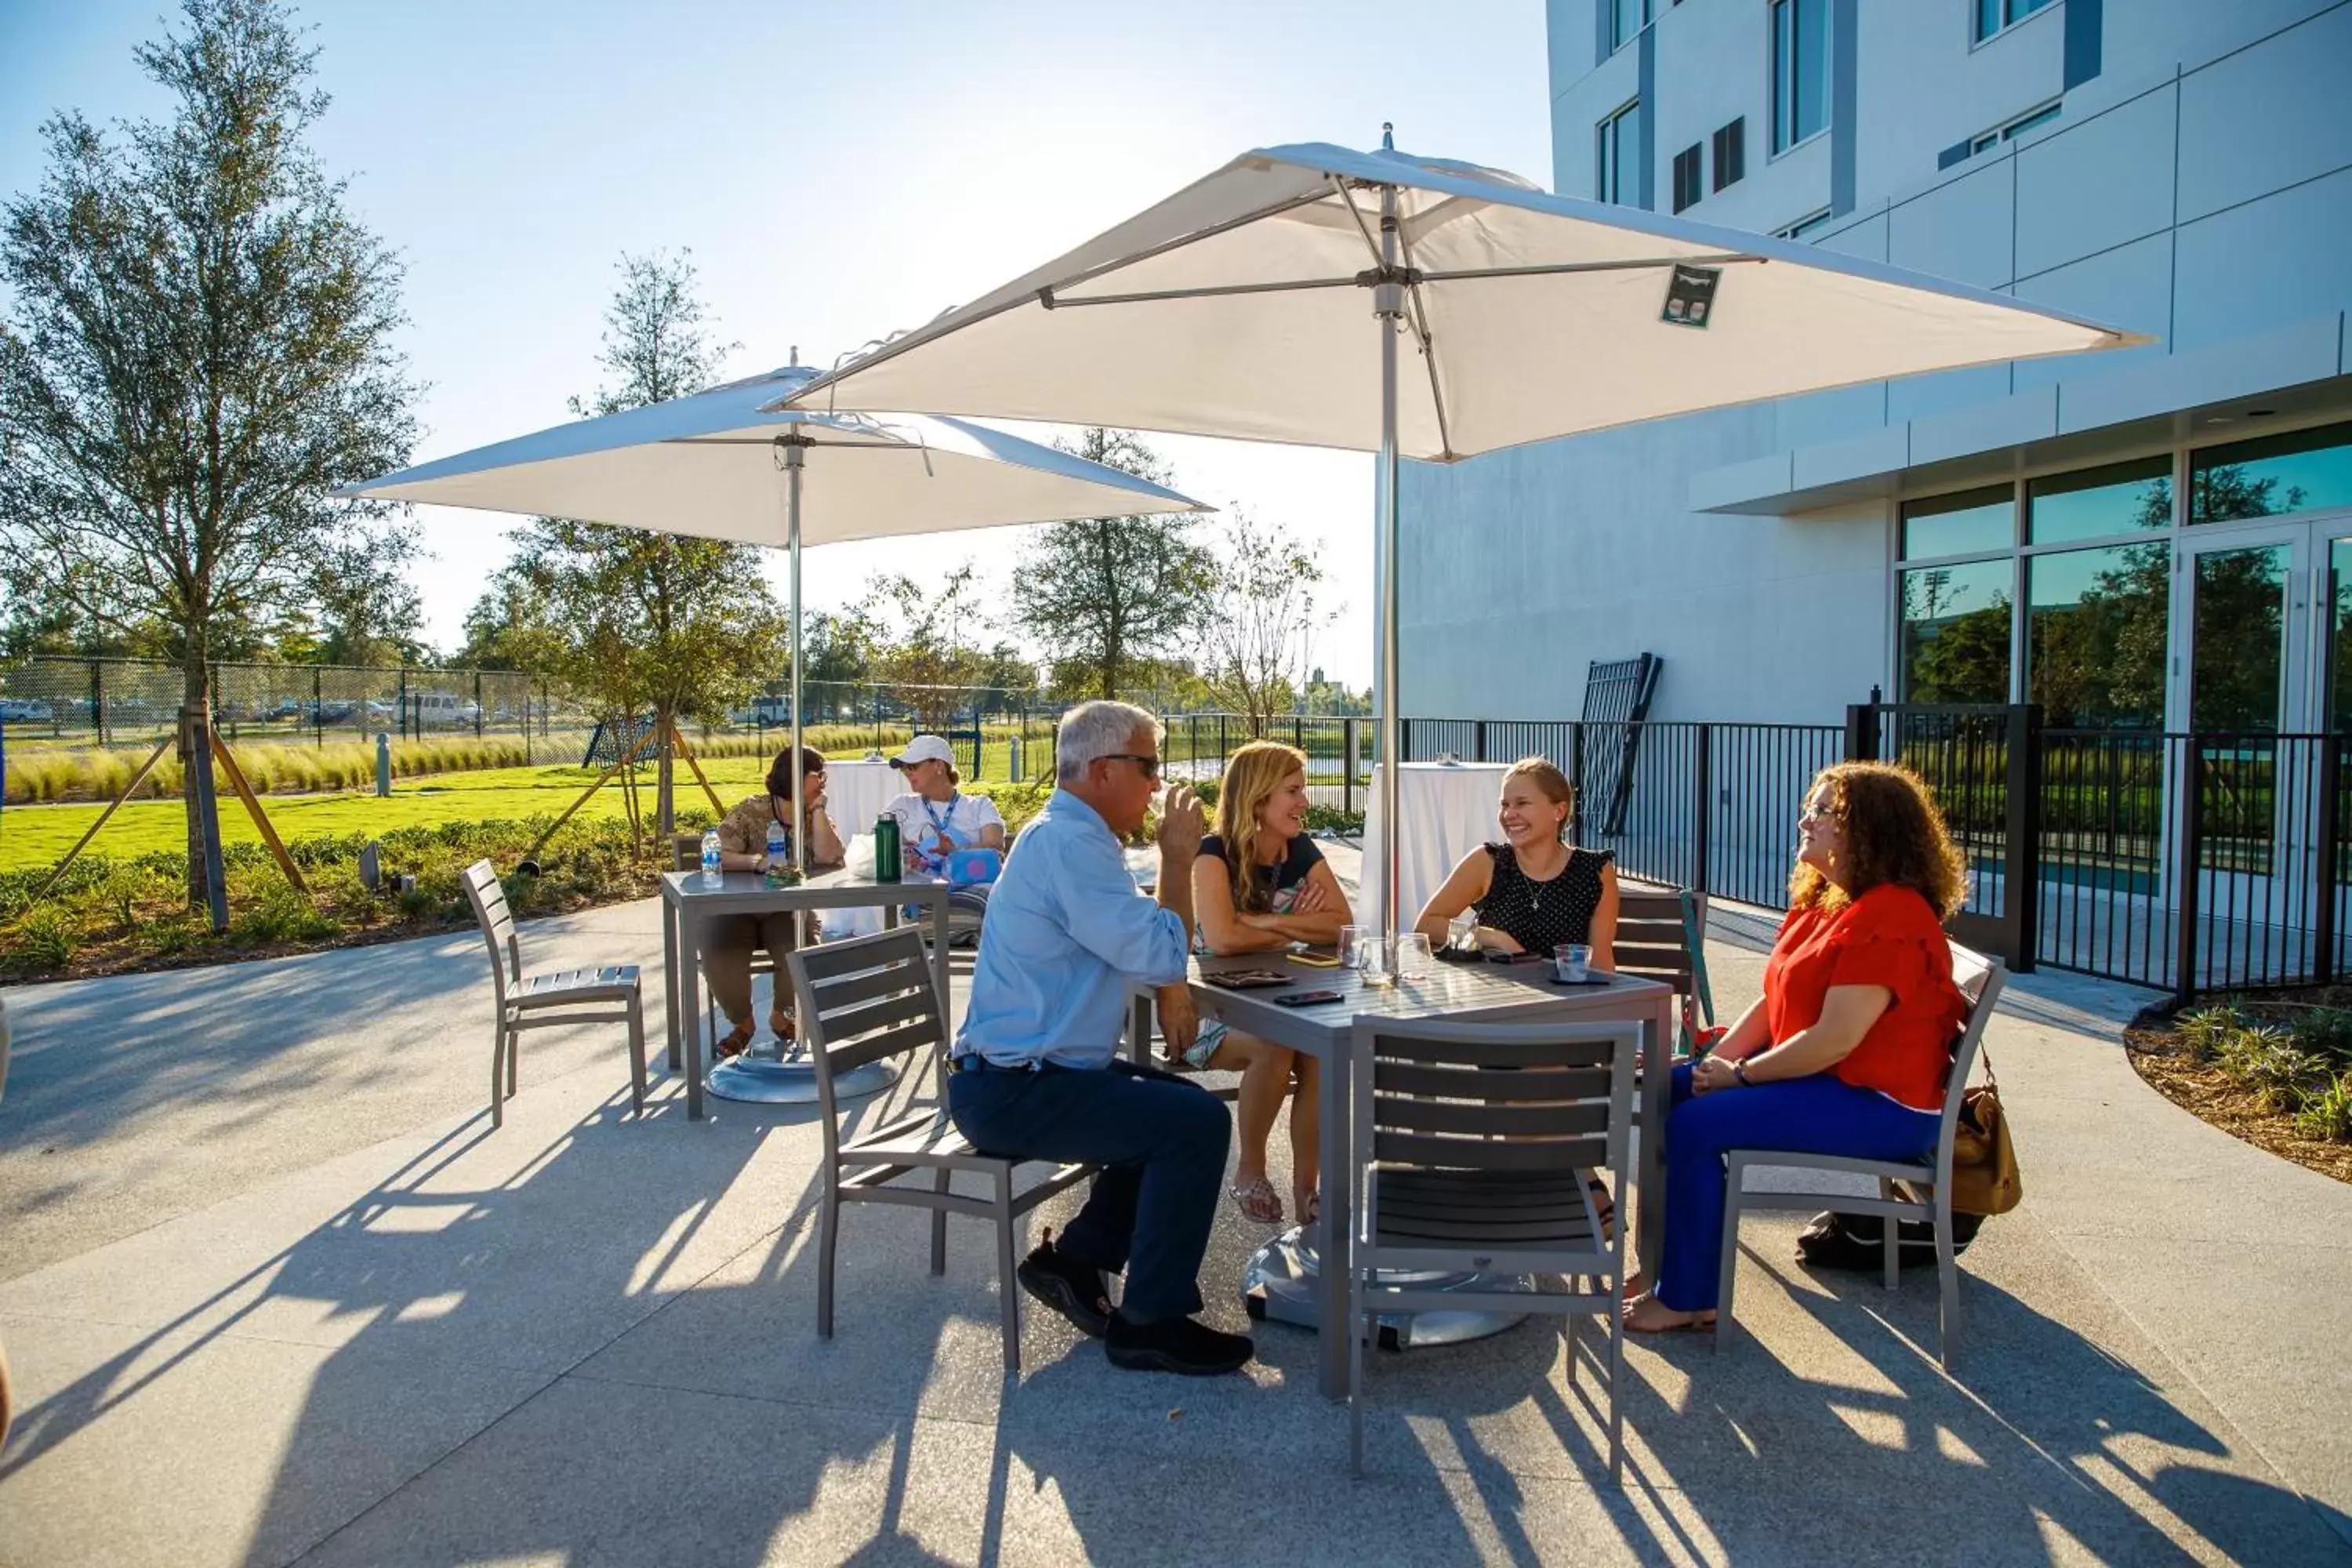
x=1456, y=992
x=687, y=902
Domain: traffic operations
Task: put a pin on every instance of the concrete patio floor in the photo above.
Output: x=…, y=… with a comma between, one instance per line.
x=273, y=1292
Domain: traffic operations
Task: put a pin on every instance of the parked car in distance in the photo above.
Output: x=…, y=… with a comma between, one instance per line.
x=24, y=710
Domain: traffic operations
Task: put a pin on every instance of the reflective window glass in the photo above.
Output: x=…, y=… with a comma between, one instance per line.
x=1955, y=625
x=2238, y=644
x=2099, y=502
x=1959, y=524
x=2094, y=636
x=2306, y=471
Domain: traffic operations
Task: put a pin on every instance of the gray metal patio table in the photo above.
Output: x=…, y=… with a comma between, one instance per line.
x=687, y=903
x=1458, y=993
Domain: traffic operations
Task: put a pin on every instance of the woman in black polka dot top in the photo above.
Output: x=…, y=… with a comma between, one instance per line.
x=1532, y=891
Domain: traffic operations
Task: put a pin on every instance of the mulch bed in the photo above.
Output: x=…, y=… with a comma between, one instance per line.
x=2203, y=1089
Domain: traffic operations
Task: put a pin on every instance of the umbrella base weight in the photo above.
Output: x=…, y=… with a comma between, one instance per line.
x=759, y=1078
x=1283, y=1282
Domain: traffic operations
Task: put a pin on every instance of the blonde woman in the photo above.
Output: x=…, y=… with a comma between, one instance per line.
x=1259, y=885
x=1535, y=890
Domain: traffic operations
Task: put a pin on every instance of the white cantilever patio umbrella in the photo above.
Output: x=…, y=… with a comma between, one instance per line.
x=726, y=464
x=1238, y=307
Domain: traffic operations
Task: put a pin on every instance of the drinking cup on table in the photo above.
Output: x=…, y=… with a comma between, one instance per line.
x=1462, y=933
x=1352, y=946
x=1572, y=962
x=1414, y=960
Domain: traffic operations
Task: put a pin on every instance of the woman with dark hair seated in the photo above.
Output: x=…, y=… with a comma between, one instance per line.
x=728, y=941
x=1847, y=1050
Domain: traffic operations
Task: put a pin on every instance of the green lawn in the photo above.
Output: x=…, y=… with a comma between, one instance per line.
x=33, y=835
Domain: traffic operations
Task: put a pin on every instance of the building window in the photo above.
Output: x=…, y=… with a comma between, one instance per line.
x=1800, y=71
x=2096, y=502
x=1731, y=152
x=1961, y=524
x=1687, y=177
x=2305, y=471
x=2014, y=129
x=1620, y=161
x=1626, y=20
x=2094, y=636
x=1806, y=226
x=1992, y=15
x=1956, y=629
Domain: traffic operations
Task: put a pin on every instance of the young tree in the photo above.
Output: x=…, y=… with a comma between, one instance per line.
x=636, y=620
x=1109, y=593
x=197, y=349
x=1254, y=641
x=920, y=643
x=368, y=612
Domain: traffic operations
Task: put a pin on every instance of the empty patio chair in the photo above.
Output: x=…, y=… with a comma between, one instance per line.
x=1662, y=936
x=1466, y=1170
x=604, y=996
x=870, y=999
x=1919, y=1189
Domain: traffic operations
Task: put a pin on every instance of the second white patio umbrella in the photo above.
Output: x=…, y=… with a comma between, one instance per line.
x=724, y=464
x=1238, y=307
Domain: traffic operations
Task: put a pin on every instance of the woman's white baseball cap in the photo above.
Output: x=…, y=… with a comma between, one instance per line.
x=924, y=748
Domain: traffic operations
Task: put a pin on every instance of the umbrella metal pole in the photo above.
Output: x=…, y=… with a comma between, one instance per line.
x=1279, y=1282
x=1388, y=307
x=787, y=1077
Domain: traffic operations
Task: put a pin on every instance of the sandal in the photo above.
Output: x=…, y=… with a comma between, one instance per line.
x=1257, y=1201
x=784, y=1026
x=734, y=1043
x=1311, y=1207
x=1696, y=1323
x=1604, y=1207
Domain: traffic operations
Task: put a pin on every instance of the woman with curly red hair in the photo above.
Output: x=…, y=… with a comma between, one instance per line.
x=1847, y=1050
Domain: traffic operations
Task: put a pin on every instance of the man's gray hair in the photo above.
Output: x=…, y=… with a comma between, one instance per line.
x=1093, y=731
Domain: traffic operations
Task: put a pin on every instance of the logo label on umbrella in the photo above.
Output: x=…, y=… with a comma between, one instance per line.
x=1690, y=296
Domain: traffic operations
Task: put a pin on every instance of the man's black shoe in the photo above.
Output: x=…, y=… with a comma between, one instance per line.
x=1175, y=1344
x=1077, y=1290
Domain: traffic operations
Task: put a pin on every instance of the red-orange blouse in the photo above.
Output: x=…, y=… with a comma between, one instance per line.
x=1889, y=937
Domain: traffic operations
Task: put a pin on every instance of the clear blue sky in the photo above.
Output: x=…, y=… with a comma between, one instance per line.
x=838, y=171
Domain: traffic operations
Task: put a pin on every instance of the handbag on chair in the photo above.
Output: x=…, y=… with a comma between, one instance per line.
x=1985, y=1178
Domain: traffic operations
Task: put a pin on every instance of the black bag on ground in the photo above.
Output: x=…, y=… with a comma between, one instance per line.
x=1856, y=1241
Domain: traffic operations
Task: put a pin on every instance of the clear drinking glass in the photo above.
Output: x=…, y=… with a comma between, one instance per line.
x=1572, y=962
x=1414, y=960
x=1352, y=946
x=1461, y=931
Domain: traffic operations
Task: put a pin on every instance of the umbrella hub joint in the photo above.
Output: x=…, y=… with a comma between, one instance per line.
x=1388, y=283
x=791, y=448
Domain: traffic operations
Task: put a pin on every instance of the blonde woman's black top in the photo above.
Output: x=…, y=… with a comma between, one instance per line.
x=1540, y=916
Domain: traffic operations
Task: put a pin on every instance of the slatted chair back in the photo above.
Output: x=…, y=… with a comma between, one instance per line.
x=1432, y=1101
x=686, y=851
x=1656, y=928
x=1979, y=979
x=489, y=900
x=867, y=1000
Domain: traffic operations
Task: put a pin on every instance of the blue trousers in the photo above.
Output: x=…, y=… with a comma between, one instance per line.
x=1816, y=1115
x=1161, y=1142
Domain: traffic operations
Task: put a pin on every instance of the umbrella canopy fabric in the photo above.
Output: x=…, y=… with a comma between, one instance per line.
x=708, y=466
x=1510, y=346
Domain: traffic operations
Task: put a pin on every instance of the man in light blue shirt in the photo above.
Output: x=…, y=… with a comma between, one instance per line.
x=1038, y=1073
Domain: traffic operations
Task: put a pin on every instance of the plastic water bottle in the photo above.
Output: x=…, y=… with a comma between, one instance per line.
x=710, y=857
x=779, y=856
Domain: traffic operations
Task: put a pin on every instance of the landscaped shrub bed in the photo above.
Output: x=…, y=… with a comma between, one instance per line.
x=112, y=915
x=2274, y=1070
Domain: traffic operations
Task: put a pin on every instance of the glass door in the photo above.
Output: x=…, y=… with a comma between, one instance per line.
x=2238, y=627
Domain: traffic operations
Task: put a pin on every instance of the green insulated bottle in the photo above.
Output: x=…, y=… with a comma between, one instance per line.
x=886, y=848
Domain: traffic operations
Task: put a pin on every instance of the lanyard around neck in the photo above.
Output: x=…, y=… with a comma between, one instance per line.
x=930, y=809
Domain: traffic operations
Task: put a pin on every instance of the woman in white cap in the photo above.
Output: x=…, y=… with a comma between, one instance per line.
x=936, y=817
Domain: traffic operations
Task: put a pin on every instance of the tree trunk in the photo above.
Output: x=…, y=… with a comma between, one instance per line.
x=195, y=694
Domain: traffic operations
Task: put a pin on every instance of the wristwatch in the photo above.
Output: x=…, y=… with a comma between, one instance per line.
x=1739, y=1072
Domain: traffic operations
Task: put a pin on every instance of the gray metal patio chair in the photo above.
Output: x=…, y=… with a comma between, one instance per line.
x=1661, y=936
x=870, y=999
x=1467, y=1170
x=606, y=996
x=1907, y=1189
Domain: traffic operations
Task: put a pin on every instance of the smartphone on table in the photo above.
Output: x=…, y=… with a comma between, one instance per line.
x=1305, y=998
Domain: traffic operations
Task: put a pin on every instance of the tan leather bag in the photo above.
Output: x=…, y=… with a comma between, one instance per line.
x=1985, y=1178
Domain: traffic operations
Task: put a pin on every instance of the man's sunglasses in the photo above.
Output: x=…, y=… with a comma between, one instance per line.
x=1150, y=765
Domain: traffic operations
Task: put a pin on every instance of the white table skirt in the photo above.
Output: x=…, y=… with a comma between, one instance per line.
x=1448, y=810
x=855, y=793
